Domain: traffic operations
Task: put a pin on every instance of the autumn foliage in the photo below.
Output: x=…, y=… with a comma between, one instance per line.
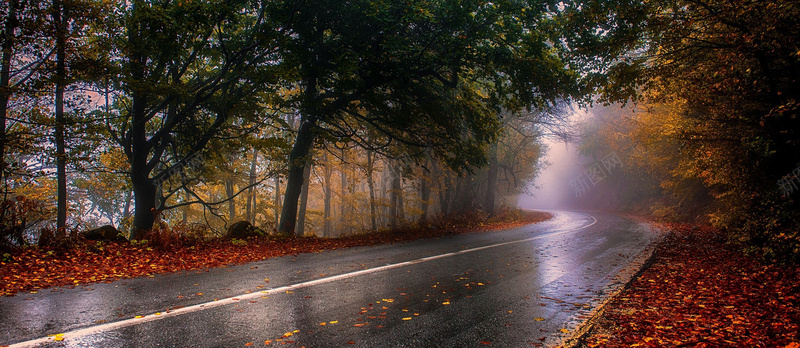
x=172, y=250
x=699, y=292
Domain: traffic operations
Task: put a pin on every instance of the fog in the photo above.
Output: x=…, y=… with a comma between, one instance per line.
x=562, y=163
x=551, y=189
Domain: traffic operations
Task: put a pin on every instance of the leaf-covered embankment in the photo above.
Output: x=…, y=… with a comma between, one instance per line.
x=701, y=292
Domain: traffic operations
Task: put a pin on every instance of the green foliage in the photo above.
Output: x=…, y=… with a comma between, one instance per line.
x=238, y=242
x=139, y=242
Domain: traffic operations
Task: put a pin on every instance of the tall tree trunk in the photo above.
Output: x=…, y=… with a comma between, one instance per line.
x=229, y=191
x=277, y=200
x=439, y=177
x=326, y=216
x=401, y=206
x=343, y=195
x=300, y=230
x=394, y=197
x=251, y=192
x=294, y=182
x=5, y=81
x=386, y=181
x=445, y=193
x=60, y=18
x=424, y=196
x=185, y=209
x=144, y=189
x=491, y=184
x=126, y=212
x=371, y=184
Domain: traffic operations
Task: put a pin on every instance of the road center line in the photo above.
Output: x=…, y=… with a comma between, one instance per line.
x=248, y=296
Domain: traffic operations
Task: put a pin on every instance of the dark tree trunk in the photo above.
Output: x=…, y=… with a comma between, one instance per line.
x=59, y=20
x=401, y=206
x=424, y=195
x=300, y=230
x=371, y=184
x=343, y=195
x=442, y=189
x=327, y=172
x=230, y=191
x=491, y=184
x=126, y=212
x=251, y=192
x=144, y=189
x=277, y=201
x=185, y=210
x=144, y=207
x=5, y=81
x=395, y=198
x=294, y=182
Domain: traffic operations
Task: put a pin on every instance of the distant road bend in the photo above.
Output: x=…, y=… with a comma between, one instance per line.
x=529, y=285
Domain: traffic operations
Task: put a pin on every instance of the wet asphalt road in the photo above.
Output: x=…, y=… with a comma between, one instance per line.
x=512, y=288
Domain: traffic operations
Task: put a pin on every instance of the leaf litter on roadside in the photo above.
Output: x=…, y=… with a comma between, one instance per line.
x=88, y=262
x=701, y=292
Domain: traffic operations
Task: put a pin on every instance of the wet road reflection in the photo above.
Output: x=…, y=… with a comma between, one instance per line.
x=530, y=285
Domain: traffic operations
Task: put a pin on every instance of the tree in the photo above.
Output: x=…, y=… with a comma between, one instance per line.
x=185, y=67
x=722, y=79
x=423, y=74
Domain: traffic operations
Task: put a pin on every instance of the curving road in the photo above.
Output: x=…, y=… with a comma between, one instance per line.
x=525, y=286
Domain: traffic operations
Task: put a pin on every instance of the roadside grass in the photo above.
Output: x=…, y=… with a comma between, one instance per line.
x=80, y=262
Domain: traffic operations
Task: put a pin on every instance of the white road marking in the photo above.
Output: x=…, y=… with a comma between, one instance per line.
x=236, y=299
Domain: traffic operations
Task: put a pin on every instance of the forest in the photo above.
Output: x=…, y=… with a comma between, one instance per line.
x=310, y=117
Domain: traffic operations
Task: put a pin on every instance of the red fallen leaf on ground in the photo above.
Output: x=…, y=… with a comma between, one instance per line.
x=700, y=292
x=89, y=262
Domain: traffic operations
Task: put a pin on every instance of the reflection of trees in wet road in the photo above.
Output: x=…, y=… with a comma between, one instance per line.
x=526, y=285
